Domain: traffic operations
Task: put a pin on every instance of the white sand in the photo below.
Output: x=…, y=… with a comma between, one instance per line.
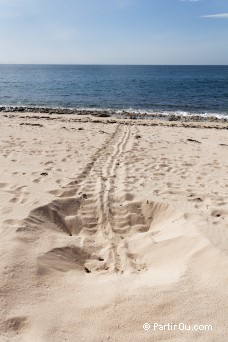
x=108, y=224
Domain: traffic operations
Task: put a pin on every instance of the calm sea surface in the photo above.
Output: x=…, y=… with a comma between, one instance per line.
x=165, y=89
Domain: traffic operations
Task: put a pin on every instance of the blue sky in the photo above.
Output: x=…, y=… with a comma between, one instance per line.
x=114, y=31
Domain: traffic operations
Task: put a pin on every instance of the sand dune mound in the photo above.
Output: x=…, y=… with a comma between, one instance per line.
x=52, y=215
x=157, y=212
x=64, y=259
x=110, y=243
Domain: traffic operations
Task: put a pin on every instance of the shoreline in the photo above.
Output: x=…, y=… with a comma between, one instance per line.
x=88, y=117
x=125, y=114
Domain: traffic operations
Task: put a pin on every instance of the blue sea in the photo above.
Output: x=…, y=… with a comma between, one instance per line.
x=182, y=90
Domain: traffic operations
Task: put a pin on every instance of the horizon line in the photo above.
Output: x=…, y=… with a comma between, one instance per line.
x=111, y=64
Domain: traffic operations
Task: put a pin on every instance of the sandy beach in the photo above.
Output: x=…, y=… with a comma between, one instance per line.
x=108, y=224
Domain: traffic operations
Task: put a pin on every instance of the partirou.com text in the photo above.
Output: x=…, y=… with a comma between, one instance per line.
x=175, y=326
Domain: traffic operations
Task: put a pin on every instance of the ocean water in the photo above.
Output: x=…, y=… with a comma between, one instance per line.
x=164, y=89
